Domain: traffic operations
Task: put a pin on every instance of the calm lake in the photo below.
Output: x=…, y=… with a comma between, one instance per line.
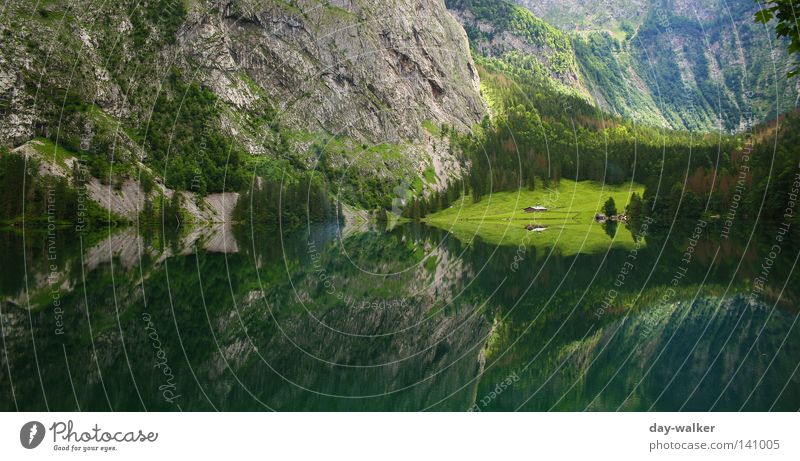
x=408, y=318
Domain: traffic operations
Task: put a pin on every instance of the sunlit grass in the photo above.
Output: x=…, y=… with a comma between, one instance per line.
x=500, y=218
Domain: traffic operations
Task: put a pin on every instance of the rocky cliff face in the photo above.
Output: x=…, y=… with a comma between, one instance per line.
x=350, y=68
x=282, y=80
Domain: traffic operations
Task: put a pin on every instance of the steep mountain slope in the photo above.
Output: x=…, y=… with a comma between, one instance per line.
x=198, y=94
x=673, y=63
x=514, y=40
x=574, y=15
x=612, y=74
x=389, y=69
x=706, y=64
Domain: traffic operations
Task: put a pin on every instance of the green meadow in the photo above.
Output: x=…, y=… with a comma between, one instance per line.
x=571, y=229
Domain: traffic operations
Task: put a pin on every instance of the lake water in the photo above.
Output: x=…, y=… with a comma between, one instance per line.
x=403, y=319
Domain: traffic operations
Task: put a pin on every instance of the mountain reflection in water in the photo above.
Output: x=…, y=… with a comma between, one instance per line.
x=402, y=319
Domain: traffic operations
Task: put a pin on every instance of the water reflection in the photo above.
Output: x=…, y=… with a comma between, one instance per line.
x=401, y=319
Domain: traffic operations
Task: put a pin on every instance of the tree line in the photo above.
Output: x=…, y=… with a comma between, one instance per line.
x=286, y=202
x=43, y=200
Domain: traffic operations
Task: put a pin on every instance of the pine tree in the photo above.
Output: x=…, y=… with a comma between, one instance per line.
x=610, y=208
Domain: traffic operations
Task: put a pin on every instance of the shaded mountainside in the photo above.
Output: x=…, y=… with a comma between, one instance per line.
x=677, y=64
x=706, y=66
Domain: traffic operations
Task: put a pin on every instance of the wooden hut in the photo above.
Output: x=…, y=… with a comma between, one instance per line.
x=535, y=209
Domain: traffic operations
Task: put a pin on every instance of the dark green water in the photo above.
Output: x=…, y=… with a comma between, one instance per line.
x=405, y=319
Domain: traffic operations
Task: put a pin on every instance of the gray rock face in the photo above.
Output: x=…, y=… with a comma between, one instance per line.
x=288, y=77
x=360, y=69
x=16, y=117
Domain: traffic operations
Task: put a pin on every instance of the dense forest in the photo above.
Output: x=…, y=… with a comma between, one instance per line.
x=538, y=137
x=41, y=201
x=286, y=202
x=186, y=144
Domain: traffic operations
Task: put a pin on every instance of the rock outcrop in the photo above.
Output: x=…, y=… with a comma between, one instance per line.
x=358, y=69
x=127, y=199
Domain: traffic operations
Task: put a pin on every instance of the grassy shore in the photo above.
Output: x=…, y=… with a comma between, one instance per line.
x=500, y=218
